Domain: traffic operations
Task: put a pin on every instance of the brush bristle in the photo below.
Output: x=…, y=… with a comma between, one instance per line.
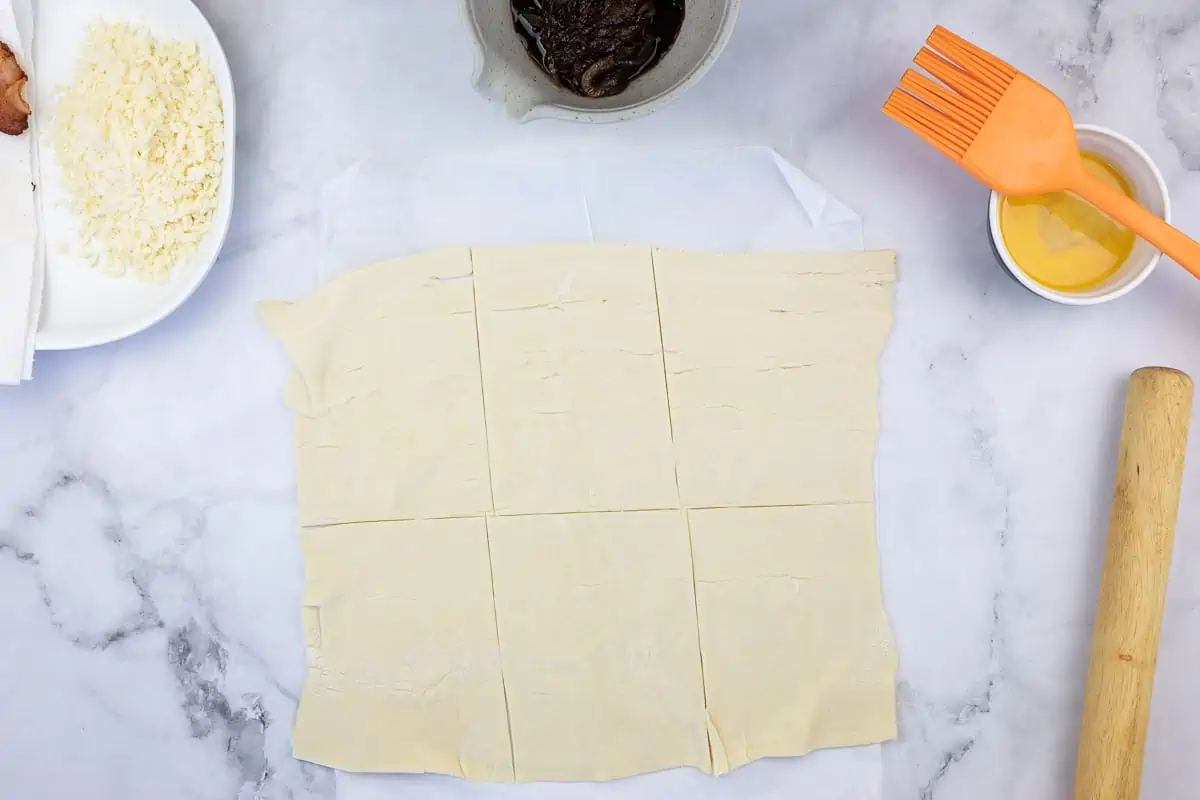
x=929, y=123
x=973, y=90
x=950, y=114
x=984, y=66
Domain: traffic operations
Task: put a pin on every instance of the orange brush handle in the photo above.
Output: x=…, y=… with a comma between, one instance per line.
x=1175, y=243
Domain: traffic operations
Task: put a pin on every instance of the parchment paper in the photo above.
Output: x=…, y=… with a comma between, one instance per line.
x=735, y=200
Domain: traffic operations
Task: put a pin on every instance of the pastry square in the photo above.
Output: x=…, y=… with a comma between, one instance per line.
x=387, y=394
x=404, y=664
x=573, y=380
x=797, y=650
x=597, y=624
x=772, y=373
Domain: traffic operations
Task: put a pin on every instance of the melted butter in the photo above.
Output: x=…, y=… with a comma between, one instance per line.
x=1063, y=242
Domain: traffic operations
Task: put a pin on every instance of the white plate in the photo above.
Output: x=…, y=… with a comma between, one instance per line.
x=83, y=306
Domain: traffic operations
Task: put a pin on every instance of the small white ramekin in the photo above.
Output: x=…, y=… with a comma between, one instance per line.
x=1149, y=189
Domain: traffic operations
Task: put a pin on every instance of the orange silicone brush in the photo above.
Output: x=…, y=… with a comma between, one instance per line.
x=1013, y=134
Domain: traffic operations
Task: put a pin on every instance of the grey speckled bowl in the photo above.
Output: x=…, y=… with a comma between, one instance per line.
x=504, y=72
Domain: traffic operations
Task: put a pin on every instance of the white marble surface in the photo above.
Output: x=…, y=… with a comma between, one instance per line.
x=149, y=575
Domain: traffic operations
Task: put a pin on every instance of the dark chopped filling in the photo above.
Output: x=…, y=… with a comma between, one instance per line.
x=596, y=48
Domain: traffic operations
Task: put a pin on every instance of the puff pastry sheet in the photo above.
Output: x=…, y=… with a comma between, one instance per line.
x=583, y=512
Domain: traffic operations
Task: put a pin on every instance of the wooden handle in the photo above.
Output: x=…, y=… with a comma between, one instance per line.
x=1183, y=249
x=1133, y=587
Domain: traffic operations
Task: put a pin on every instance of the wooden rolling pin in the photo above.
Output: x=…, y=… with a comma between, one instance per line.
x=1133, y=587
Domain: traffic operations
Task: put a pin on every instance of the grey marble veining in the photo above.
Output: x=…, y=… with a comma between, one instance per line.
x=149, y=573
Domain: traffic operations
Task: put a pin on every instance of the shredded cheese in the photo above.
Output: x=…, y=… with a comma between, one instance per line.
x=139, y=135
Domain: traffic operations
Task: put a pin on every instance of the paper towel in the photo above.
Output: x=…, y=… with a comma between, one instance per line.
x=21, y=254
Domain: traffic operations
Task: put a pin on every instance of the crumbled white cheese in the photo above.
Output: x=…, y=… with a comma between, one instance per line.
x=140, y=137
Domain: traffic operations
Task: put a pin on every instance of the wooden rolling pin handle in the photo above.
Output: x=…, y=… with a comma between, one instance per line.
x=1133, y=587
